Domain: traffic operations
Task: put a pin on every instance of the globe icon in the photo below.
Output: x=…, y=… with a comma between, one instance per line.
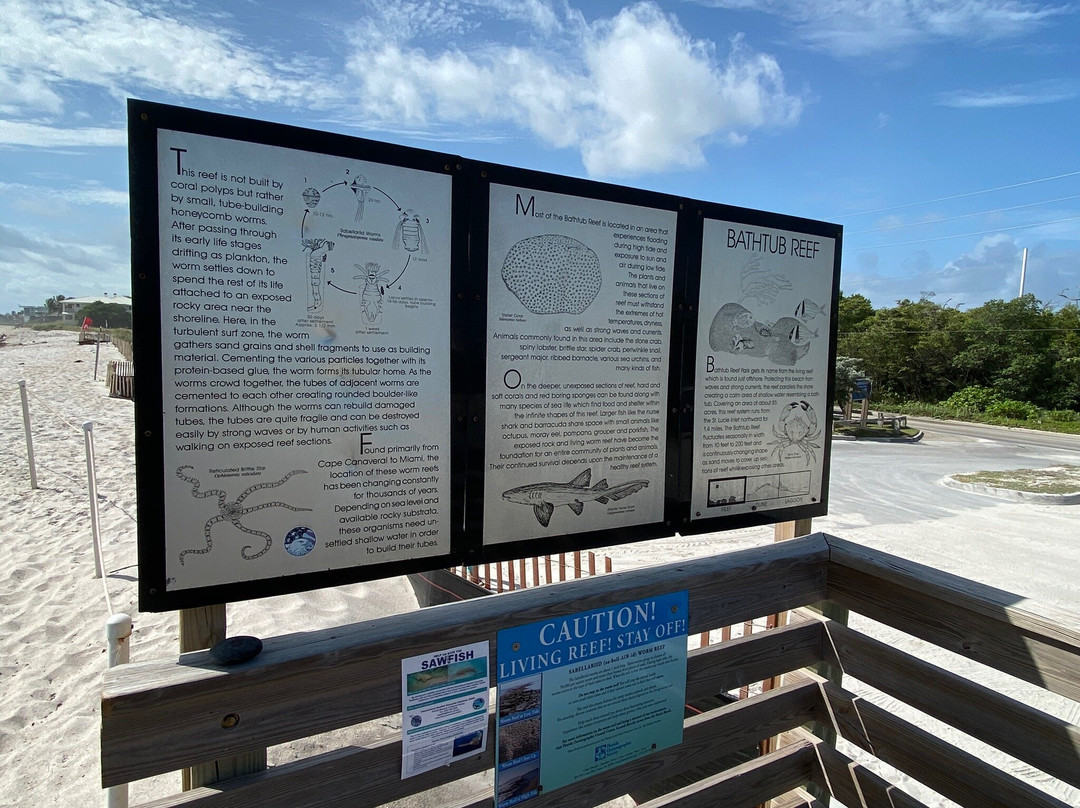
x=300, y=541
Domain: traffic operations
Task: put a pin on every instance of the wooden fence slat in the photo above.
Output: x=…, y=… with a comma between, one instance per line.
x=536, y=571
x=976, y=621
x=937, y=764
x=160, y=716
x=547, y=568
x=370, y=776
x=749, y=784
x=1046, y=742
x=752, y=659
x=577, y=563
x=851, y=782
x=562, y=566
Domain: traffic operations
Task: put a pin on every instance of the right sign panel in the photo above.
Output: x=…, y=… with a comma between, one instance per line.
x=761, y=400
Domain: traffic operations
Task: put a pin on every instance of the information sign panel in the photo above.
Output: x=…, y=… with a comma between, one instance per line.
x=583, y=694
x=579, y=325
x=444, y=707
x=303, y=319
x=763, y=365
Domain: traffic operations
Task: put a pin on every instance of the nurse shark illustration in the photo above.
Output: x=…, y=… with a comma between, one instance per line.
x=543, y=497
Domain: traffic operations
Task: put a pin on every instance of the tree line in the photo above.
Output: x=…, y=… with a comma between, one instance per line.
x=1021, y=351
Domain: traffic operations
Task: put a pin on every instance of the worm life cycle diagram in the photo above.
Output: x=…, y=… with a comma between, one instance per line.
x=365, y=249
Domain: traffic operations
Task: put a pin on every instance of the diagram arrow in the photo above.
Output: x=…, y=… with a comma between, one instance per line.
x=335, y=185
x=381, y=191
x=346, y=291
x=398, y=278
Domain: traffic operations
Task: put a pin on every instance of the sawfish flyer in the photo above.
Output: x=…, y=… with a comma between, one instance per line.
x=581, y=694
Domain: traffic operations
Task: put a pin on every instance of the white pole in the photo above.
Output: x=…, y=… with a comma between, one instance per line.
x=1023, y=271
x=97, y=353
x=88, y=433
x=118, y=633
x=29, y=437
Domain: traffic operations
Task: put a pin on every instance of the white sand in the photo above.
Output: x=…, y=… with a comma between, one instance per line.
x=52, y=609
x=53, y=612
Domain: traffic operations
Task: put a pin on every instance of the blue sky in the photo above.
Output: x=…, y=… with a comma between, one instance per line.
x=944, y=136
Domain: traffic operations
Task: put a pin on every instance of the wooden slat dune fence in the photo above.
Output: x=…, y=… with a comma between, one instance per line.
x=161, y=716
x=508, y=576
x=120, y=379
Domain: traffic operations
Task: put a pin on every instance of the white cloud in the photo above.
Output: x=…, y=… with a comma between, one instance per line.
x=866, y=27
x=88, y=194
x=1012, y=95
x=121, y=48
x=34, y=267
x=634, y=93
x=16, y=133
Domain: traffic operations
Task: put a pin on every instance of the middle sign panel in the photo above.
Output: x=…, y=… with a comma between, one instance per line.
x=578, y=329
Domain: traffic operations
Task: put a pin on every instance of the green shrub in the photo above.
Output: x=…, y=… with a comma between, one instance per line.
x=972, y=399
x=1063, y=416
x=1011, y=408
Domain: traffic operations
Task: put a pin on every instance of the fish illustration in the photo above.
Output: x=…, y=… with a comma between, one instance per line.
x=545, y=496
x=808, y=310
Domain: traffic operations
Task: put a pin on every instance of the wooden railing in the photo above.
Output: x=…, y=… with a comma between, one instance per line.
x=162, y=716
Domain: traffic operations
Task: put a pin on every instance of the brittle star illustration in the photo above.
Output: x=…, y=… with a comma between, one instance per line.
x=234, y=511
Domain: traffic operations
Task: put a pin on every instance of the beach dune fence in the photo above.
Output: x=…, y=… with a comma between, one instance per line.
x=120, y=379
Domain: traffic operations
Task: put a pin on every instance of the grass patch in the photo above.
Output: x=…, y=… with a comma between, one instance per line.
x=1051, y=480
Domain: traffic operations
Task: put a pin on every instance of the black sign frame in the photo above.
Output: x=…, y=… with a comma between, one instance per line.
x=484, y=176
x=761, y=219
x=144, y=121
x=469, y=234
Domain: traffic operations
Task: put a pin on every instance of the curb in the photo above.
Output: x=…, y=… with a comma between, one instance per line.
x=912, y=439
x=1009, y=493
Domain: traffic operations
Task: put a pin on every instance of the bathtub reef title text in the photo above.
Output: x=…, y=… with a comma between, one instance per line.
x=774, y=244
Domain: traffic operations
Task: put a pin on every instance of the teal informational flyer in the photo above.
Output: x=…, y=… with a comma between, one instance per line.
x=585, y=693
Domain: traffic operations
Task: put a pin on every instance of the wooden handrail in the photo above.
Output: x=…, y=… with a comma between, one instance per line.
x=970, y=619
x=160, y=716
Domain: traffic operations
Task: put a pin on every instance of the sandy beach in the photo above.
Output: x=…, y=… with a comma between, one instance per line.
x=54, y=610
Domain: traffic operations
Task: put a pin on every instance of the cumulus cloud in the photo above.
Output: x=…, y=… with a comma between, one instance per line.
x=635, y=93
x=866, y=27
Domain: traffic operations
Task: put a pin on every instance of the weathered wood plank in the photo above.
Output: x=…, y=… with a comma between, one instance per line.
x=204, y=627
x=364, y=777
x=850, y=782
x=949, y=771
x=976, y=621
x=796, y=799
x=157, y=717
x=753, y=658
x=749, y=784
x=1046, y=742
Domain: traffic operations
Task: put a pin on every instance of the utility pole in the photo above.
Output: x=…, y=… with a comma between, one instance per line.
x=1023, y=271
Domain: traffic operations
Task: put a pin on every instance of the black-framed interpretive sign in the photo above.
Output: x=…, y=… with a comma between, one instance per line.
x=292, y=293
x=358, y=360
x=576, y=286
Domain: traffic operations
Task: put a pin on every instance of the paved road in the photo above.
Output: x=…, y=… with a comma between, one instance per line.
x=1003, y=435
x=890, y=496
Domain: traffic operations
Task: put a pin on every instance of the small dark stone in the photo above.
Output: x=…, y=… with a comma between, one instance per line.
x=234, y=650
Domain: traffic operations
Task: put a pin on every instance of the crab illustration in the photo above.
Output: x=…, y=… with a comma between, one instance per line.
x=797, y=427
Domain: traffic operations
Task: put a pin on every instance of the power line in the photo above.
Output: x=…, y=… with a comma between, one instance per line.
x=962, y=216
x=964, y=235
x=962, y=196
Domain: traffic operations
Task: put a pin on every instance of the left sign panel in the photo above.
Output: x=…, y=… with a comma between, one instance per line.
x=304, y=315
